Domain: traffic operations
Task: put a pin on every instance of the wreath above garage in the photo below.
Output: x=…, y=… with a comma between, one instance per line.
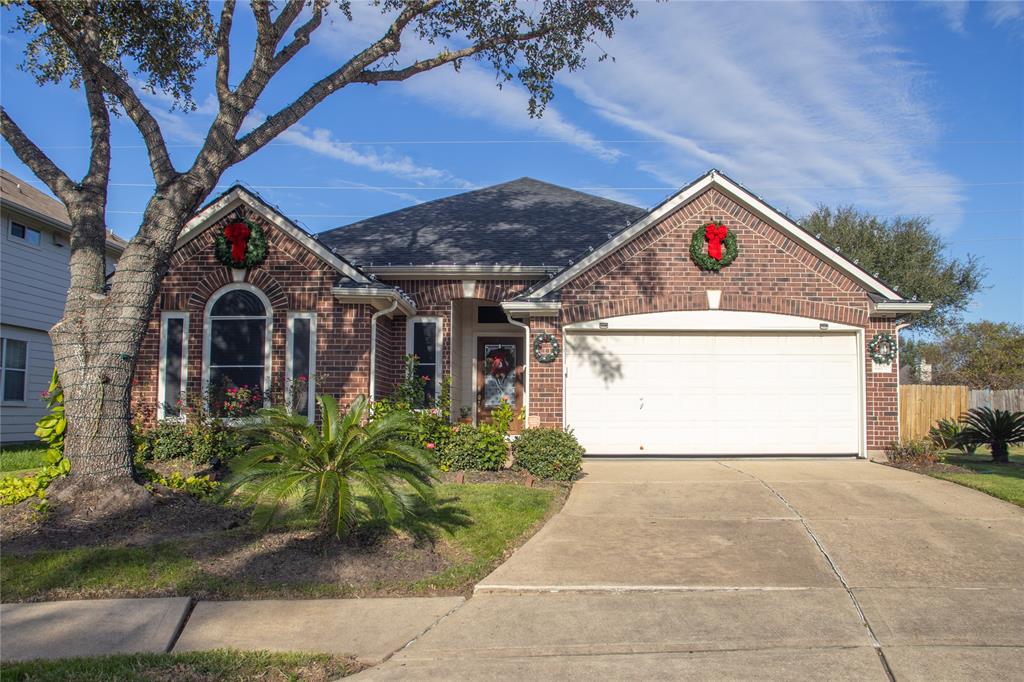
x=240, y=244
x=713, y=246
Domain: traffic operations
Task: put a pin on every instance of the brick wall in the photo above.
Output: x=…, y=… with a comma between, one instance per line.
x=294, y=279
x=774, y=274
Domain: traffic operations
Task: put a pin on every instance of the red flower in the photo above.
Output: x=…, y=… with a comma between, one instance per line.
x=426, y=378
x=430, y=446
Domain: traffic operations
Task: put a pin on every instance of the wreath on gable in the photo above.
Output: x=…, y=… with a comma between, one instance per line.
x=882, y=348
x=540, y=341
x=713, y=247
x=240, y=244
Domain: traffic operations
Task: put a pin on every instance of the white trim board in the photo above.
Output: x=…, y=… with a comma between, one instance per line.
x=161, y=393
x=715, y=180
x=239, y=195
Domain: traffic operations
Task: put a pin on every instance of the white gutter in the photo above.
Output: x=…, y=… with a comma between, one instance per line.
x=373, y=346
x=461, y=271
x=535, y=308
x=901, y=307
x=378, y=297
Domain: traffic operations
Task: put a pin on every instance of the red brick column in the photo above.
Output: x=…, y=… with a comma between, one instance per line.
x=545, y=378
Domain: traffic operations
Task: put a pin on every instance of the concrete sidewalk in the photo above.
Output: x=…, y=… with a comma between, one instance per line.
x=368, y=629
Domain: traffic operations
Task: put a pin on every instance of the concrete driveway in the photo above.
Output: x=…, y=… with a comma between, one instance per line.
x=742, y=569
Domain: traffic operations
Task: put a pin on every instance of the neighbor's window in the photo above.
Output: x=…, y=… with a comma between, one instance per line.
x=424, y=341
x=301, y=368
x=29, y=234
x=173, y=364
x=14, y=360
x=239, y=352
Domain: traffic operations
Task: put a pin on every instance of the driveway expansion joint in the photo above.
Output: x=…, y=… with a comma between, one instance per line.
x=875, y=643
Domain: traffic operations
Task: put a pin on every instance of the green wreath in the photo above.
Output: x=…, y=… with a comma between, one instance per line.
x=539, y=341
x=882, y=348
x=255, y=250
x=698, y=252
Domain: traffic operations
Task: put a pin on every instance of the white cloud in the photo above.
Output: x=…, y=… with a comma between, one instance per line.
x=1009, y=13
x=322, y=142
x=954, y=12
x=789, y=98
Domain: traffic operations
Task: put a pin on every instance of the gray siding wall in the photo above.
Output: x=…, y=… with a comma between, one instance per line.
x=35, y=279
x=18, y=419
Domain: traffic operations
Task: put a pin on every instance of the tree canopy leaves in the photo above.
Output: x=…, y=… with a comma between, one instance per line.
x=905, y=254
x=979, y=355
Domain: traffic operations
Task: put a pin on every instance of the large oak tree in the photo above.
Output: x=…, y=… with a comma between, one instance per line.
x=111, y=48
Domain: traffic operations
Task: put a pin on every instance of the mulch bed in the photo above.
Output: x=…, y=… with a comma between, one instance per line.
x=224, y=544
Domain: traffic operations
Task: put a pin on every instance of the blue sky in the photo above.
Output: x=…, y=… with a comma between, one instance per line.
x=897, y=108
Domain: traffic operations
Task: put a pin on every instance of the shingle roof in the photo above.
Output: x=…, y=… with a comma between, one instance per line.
x=522, y=222
x=21, y=194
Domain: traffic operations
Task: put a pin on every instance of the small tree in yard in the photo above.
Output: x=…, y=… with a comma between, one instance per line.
x=998, y=428
x=96, y=46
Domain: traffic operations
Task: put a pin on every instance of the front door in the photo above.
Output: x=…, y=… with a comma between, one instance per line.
x=499, y=377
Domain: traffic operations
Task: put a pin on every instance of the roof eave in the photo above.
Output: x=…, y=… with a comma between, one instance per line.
x=461, y=271
x=900, y=308
x=380, y=298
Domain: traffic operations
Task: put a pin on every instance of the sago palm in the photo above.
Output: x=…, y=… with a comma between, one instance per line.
x=321, y=469
x=998, y=428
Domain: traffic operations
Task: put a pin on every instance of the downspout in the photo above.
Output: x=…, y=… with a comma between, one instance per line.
x=373, y=346
x=526, y=365
x=899, y=418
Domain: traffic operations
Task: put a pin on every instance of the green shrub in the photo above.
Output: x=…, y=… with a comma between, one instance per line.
x=948, y=433
x=470, y=447
x=197, y=486
x=549, y=453
x=15, y=489
x=205, y=441
x=998, y=428
x=315, y=469
x=911, y=453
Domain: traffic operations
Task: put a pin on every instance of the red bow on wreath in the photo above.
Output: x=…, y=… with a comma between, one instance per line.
x=237, y=235
x=715, y=234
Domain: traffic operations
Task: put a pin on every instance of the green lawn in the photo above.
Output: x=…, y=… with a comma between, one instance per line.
x=1005, y=481
x=477, y=525
x=203, y=666
x=22, y=457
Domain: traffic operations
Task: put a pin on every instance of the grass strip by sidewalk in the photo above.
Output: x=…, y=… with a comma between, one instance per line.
x=202, y=666
x=499, y=517
x=1005, y=481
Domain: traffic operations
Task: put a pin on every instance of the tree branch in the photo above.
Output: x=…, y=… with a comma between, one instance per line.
x=37, y=160
x=224, y=50
x=90, y=60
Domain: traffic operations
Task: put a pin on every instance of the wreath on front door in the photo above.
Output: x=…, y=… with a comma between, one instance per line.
x=539, y=342
x=713, y=246
x=240, y=244
x=882, y=348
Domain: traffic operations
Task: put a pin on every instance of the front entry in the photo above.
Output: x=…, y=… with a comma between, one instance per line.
x=499, y=377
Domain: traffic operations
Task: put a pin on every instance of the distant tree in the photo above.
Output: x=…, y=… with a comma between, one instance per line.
x=106, y=47
x=979, y=355
x=905, y=254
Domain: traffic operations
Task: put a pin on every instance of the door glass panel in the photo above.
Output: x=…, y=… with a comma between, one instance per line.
x=499, y=374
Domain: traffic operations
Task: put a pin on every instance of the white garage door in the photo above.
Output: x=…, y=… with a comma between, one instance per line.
x=713, y=393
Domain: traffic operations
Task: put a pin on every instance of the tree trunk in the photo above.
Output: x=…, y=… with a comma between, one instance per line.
x=1000, y=452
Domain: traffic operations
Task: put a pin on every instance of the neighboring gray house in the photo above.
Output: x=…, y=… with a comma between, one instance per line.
x=34, y=280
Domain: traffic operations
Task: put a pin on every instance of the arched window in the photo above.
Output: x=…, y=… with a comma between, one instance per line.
x=237, y=350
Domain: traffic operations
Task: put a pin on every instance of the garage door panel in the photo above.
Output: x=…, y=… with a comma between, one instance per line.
x=713, y=394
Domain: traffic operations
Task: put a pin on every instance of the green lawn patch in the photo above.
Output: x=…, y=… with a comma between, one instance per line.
x=1005, y=481
x=445, y=550
x=22, y=457
x=203, y=666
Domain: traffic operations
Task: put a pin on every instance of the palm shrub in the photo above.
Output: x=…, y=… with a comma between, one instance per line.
x=948, y=433
x=998, y=428
x=320, y=469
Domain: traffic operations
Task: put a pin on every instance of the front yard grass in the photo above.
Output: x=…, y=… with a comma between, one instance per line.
x=445, y=551
x=203, y=666
x=22, y=458
x=1005, y=481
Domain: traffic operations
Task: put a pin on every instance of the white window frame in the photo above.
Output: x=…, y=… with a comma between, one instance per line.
x=290, y=371
x=438, y=321
x=3, y=372
x=267, y=337
x=161, y=386
x=24, y=240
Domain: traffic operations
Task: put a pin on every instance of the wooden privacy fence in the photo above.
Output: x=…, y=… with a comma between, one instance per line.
x=921, y=405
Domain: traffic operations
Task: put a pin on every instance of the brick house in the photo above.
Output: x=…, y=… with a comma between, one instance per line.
x=584, y=312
